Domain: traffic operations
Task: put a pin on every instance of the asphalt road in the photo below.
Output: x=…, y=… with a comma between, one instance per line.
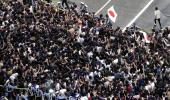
x=128, y=9
x=146, y=20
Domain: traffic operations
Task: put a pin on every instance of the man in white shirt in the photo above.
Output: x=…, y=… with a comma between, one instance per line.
x=157, y=17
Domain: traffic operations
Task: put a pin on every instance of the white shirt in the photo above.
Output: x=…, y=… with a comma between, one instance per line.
x=90, y=54
x=63, y=91
x=98, y=49
x=110, y=78
x=84, y=98
x=80, y=40
x=57, y=86
x=92, y=75
x=157, y=14
x=13, y=77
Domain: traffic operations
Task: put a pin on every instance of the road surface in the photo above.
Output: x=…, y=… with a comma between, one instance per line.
x=128, y=9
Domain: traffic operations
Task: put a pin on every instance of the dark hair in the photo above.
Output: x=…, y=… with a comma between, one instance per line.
x=156, y=8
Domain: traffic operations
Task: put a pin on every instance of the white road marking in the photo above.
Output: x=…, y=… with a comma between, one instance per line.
x=103, y=7
x=139, y=14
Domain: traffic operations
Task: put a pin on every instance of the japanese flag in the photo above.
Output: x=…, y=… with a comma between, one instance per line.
x=146, y=37
x=112, y=14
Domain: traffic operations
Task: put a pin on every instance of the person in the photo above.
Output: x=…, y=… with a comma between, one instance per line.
x=49, y=1
x=61, y=54
x=27, y=2
x=157, y=17
x=66, y=3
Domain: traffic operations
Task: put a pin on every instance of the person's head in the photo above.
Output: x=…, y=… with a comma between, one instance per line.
x=156, y=8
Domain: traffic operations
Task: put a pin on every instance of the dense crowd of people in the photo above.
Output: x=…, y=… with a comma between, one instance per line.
x=48, y=53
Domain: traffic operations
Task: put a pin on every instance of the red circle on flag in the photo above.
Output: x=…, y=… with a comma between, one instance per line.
x=111, y=13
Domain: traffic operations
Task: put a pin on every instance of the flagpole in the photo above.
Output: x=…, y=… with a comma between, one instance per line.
x=113, y=24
